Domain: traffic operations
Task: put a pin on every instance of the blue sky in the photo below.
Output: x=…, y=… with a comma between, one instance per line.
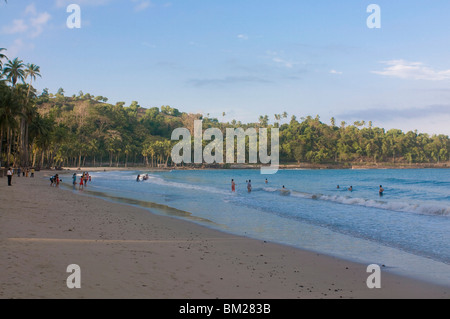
x=246, y=57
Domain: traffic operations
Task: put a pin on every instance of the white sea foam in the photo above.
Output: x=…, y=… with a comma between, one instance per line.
x=428, y=209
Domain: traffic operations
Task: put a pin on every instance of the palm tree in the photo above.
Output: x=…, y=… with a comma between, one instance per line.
x=9, y=111
x=32, y=71
x=2, y=56
x=14, y=71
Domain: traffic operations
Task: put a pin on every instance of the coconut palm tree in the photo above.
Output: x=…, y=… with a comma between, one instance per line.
x=9, y=111
x=32, y=71
x=2, y=56
x=14, y=71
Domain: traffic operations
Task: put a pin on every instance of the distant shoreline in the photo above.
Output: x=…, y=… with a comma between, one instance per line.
x=349, y=166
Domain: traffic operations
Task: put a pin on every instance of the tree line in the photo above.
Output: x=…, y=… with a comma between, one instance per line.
x=53, y=130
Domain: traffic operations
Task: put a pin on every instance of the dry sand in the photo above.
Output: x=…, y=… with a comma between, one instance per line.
x=127, y=252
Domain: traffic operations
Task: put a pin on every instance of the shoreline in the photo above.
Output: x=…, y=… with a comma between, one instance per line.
x=128, y=252
x=256, y=167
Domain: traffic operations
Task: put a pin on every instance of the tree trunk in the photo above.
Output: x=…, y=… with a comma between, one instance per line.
x=34, y=158
x=42, y=159
x=9, y=141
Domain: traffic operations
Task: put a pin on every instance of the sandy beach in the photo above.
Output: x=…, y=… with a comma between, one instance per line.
x=128, y=252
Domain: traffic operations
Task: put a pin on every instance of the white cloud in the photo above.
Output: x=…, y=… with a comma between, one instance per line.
x=18, y=46
x=275, y=57
x=335, y=72
x=283, y=62
x=242, y=36
x=33, y=23
x=142, y=5
x=31, y=9
x=38, y=23
x=65, y=3
x=412, y=71
x=18, y=26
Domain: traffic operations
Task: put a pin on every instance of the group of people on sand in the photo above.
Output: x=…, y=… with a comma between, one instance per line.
x=84, y=179
x=19, y=171
x=25, y=172
x=350, y=189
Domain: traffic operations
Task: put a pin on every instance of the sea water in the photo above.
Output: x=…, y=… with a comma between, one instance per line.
x=407, y=230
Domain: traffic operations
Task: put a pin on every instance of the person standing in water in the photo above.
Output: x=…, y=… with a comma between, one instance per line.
x=81, y=183
x=381, y=190
x=249, y=186
x=233, y=186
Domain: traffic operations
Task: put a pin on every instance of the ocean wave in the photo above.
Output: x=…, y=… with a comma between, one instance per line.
x=160, y=181
x=420, y=208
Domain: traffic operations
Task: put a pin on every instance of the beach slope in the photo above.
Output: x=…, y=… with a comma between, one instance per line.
x=127, y=252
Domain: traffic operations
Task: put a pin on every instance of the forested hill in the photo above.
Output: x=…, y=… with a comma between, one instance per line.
x=49, y=130
x=86, y=129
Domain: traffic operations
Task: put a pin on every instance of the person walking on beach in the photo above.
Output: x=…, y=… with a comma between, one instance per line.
x=57, y=180
x=32, y=172
x=233, y=186
x=9, y=173
x=74, y=179
x=18, y=172
x=249, y=186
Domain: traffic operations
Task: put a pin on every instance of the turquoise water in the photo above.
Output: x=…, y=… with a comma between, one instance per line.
x=407, y=230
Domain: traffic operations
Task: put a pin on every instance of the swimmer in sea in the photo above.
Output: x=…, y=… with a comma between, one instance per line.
x=285, y=191
x=381, y=190
x=350, y=189
x=233, y=186
x=249, y=186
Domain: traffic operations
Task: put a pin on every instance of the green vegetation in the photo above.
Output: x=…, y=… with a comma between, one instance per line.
x=52, y=130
